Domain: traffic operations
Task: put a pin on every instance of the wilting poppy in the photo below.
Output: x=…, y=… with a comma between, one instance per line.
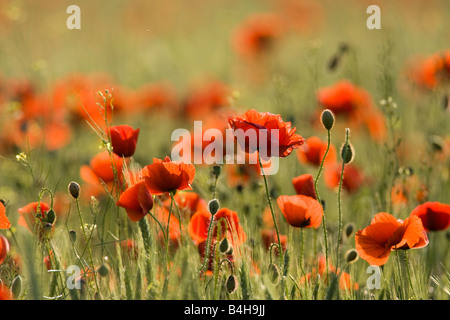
x=313, y=151
x=435, y=216
x=123, y=140
x=385, y=234
x=4, y=248
x=304, y=184
x=301, y=211
x=4, y=221
x=279, y=135
x=168, y=176
x=32, y=211
x=353, y=177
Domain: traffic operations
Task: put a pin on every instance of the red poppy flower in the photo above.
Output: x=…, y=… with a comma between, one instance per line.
x=199, y=224
x=168, y=176
x=313, y=150
x=162, y=215
x=257, y=34
x=353, y=177
x=188, y=202
x=270, y=236
x=256, y=125
x=304, y=185
x=156, y=96
x=4, y=221
x=385, y=234
x=136, y=200
x=30, y=212
x=345, y=281
x=124, y=140
x=4, y=248
x=5, y=293
x=206, y=98
x=100, y=171
x=354, y=103
x=435, y=216
x=301, y=211
x=431, y=71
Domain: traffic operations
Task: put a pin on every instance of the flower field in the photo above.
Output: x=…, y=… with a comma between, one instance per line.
x=225, y=150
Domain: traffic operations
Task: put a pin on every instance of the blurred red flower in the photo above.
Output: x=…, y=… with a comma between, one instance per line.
x=435, y=216
x=4, y=221
x=353, y=177
x=32, y=211
x=313, y=151
x=304, y=185
x=4, y=248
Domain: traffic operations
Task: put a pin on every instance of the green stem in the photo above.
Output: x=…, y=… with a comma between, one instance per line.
x=409, y=273
x=324, y=221
x=87, y=244
x=280, y=250
x=340, y=204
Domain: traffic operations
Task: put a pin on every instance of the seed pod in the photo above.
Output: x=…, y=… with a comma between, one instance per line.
x=103, y=270
x=73, y=236
x=274, y=273
x=225, y=246
x=351, y=256
x=213, y=206
x=327, y=118
x=231, y=284
x=51, y=217
x=347, y=153
x=216, y=170
x=16, y=286
x=349, y=228
x=74, y=189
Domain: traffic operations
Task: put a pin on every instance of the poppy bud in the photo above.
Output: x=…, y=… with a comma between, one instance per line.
x=103, y=270
x=327, y=118
x=436, y=143
x=347, y=153
x=231, y=284
x=16, y=286
x=51, y=217
x=74, y=189
x=274, y=273
x=73, y=236
x=213, y=206
x=349, y=228
x=225, y=247
x=351, y=256
x=216, y=170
